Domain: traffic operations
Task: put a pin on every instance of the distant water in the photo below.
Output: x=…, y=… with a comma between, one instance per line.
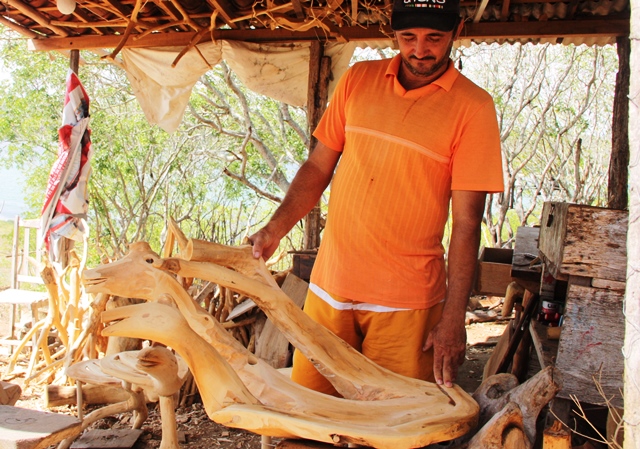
x=11, y=197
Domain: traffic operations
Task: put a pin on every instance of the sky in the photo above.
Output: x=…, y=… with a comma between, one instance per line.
x=11, y=198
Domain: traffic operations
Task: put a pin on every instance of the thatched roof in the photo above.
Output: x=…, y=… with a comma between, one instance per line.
x=157, y=23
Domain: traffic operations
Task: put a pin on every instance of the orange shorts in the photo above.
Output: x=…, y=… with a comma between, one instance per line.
x=391, y=337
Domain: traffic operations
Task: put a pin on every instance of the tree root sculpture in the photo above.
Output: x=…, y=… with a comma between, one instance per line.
x=380, y=408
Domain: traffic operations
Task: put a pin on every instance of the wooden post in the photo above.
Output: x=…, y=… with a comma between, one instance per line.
x=632, y=299
x=74, y=60
x=619, y=164
x=318, y=95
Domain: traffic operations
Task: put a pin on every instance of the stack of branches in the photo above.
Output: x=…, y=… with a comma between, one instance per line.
x=61, y=338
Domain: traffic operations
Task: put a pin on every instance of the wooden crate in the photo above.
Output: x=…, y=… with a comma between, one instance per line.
x=584, y=241
x=590, y=345
x=303, y=262
x=494, y=271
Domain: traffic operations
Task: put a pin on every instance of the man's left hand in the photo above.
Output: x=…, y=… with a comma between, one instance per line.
x=449, y=342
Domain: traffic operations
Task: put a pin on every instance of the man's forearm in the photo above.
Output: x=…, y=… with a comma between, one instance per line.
x=305, y=191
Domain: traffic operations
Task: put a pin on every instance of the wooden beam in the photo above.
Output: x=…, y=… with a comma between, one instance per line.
x=480, y=11
x=479, y=31
x=33, y=14
x=619, y=163
x=225, y=12
x=18, y=28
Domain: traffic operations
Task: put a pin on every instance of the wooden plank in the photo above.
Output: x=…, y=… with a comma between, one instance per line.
x=32, y=429
x=525, y=252
x=584, y=241
x=590, y=347
x=107, y=439
x=491, y=367
x=272, y=345
x=546, y=349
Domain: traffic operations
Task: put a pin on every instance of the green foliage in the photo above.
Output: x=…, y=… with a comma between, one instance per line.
x=222, y=173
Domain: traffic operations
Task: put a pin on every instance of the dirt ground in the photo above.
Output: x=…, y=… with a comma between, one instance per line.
x=197, y=431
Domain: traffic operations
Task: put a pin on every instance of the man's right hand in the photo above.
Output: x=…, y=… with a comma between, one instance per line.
x=264, y=243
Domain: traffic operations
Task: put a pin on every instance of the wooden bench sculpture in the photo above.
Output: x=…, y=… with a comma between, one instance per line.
x=153, y=372
x=379, y=408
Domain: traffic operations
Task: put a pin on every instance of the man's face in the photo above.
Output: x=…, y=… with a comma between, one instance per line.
x=424, y=51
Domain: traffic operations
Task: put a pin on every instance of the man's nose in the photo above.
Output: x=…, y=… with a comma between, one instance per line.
x=422, y=50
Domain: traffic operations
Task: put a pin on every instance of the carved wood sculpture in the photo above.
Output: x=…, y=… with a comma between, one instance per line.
x=156, y=370
x=380, y=408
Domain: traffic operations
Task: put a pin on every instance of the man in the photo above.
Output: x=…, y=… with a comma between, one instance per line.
x=411, y=135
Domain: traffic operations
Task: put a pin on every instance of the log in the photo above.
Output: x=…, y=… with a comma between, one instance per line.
x=531, y=396
x=504, y=430
x=381, y=409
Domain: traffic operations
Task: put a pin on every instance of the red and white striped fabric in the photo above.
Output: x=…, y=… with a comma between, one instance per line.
x=66, y=200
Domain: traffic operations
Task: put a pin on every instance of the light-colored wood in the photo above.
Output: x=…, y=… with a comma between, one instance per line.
x=272, y=345
x=383, y=409
x=590, y=346
x=303, y=444
x=92, y=394
x=157, y=370
x=556, y=437
x=32, y=429
x=584, y=241
x=514, y=294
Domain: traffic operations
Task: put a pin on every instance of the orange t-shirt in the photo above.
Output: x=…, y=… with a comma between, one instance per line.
x=402, y=154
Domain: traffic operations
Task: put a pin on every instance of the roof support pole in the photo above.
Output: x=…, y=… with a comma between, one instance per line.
x=74, y=60
x=619, y=164
x=317, y=97
x=631, y=350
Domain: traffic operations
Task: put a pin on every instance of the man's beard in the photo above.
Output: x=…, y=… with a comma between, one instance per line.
x=437, y=66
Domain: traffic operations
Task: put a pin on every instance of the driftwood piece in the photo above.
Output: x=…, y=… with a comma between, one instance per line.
x=158, y=370
x=531, y=396
x=504, y=430
x=58, y=395
x=384, y=409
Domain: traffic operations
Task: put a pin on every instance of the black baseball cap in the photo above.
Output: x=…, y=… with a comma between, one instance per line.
x=441, y=15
